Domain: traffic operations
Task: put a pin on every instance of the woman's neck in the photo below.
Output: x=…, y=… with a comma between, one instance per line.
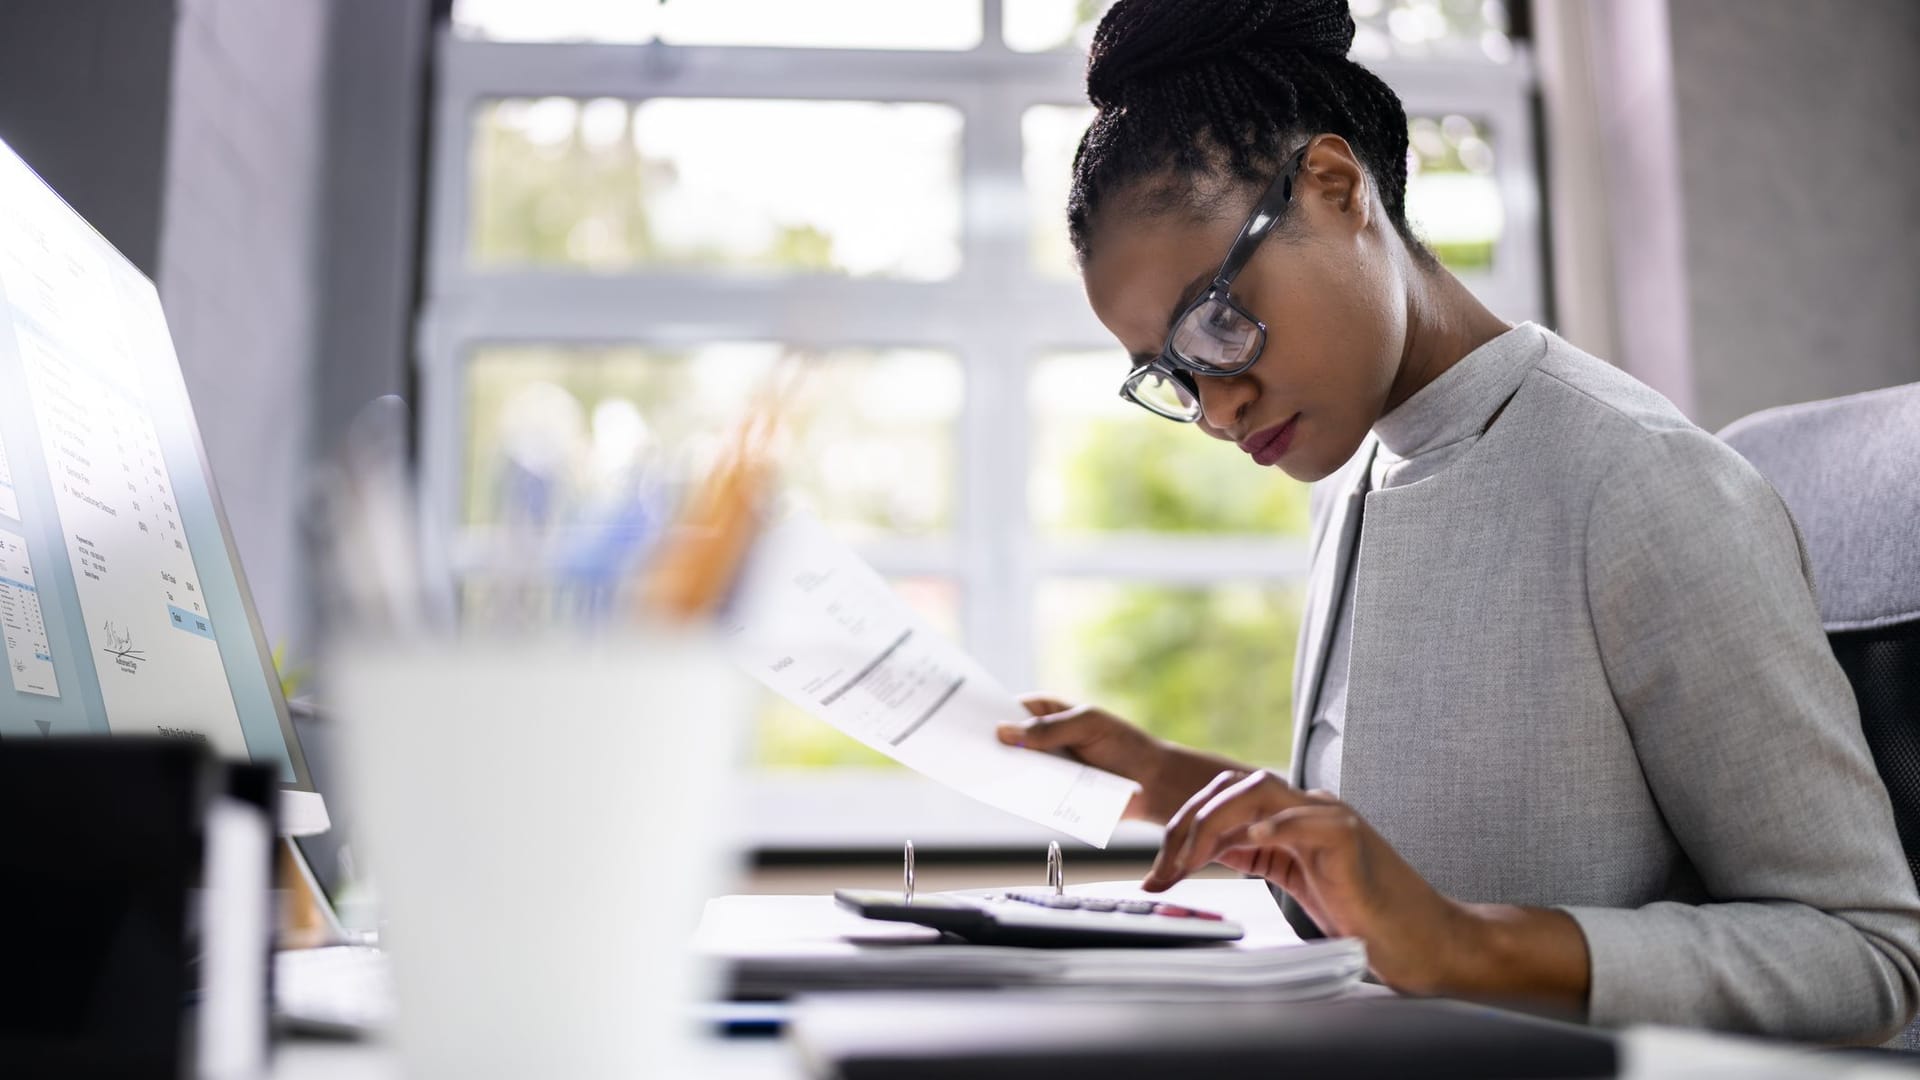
x=1445, y=322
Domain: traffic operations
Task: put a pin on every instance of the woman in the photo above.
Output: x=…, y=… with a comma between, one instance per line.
x=1566, y=726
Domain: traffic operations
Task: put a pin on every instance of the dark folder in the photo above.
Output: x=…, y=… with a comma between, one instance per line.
x=107, y=896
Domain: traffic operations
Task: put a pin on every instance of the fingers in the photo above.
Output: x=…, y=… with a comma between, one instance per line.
x=1181, y=823
x=1041, y=704
x=1061, y=729
x=1166, y=867
x=1217, y=818
x=1320, y=849
x=1308, y=831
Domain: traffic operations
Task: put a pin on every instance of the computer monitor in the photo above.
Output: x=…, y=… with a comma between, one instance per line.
x=122, y=606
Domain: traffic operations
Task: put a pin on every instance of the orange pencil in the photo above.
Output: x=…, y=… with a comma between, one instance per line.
x=703, y=554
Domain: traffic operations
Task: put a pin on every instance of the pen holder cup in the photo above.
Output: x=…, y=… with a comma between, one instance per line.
x=544, y=818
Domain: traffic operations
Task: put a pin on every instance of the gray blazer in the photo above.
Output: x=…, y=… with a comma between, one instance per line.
x=1587, y=673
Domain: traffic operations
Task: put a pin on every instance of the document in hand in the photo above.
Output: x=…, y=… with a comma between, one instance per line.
x=819, y=627
x=779, y=946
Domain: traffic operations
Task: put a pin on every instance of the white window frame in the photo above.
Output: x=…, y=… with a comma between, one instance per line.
x=997, y=315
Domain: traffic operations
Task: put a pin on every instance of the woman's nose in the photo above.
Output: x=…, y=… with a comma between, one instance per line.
x=1223, y=402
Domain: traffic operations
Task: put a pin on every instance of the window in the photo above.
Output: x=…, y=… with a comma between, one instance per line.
x=872, y=429
x=638, y=207
x=834, y=24
x=609, y=185
x=1383, y=29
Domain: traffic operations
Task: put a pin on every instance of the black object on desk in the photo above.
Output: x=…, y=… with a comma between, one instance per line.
x=1033, y=1037
x=109, y=905
x=1045, y=920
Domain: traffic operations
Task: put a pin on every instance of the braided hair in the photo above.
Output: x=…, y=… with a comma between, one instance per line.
x=1194, y=90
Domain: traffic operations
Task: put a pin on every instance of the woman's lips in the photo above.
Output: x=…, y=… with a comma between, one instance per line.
x=1269, y=445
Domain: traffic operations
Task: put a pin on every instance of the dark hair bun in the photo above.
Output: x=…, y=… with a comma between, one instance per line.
x=1139, y=40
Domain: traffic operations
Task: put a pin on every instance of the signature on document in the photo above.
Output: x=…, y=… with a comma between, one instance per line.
x=120, y=647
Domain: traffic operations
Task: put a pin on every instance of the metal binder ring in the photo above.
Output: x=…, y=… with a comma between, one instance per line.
x=909, y=872
x=1056, y=868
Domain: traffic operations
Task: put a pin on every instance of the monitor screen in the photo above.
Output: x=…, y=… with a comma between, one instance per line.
x=122, y=605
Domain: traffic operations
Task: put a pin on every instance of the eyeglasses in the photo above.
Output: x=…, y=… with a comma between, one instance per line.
x=1213, y=336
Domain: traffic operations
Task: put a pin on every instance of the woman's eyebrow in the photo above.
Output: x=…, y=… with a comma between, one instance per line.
x=1187, y=296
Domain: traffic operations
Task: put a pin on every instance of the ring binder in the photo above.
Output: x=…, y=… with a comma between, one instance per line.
x=1056, y=870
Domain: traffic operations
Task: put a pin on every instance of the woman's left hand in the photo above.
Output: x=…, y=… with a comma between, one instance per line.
x=1354, y=884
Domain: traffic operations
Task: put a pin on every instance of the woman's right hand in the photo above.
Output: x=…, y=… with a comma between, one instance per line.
x=1168, y=773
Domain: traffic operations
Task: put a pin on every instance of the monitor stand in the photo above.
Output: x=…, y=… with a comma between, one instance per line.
x=306, y=919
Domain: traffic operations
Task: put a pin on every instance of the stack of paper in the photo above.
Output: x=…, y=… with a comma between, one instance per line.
x=778, y=946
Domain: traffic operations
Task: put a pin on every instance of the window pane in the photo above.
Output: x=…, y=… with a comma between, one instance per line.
x=788, y=737
x=870, y=433
x=1209, y=667
x=1041, y=25
x=863, y=188
x=1452, y=196
x=1382, y=28
x=1455, y=29
x=1103, y=464
x=1453, y=200
x=1049, y=135
x=845, y=24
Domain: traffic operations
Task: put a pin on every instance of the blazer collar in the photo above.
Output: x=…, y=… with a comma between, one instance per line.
x=1458, y=404
x=1332, y=559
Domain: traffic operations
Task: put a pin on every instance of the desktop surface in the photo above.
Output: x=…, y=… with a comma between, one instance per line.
x=1646, y=1053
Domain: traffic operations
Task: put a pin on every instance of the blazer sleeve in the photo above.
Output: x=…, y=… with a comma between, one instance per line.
x=1749, y=738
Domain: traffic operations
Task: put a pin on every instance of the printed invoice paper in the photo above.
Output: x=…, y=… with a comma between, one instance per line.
x=819, y=627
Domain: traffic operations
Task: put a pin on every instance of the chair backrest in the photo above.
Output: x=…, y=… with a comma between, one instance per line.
x=1849, y=470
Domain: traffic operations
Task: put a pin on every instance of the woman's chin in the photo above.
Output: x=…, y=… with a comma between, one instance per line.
x=1304, y=473
x=1311, y=458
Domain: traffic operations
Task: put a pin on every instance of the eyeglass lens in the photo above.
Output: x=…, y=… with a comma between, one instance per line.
x=1163, y=394
x=1214, y=335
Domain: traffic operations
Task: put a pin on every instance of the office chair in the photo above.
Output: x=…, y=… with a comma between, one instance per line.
x=1849, y=470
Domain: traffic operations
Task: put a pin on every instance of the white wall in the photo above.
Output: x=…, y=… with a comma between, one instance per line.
x=1799, y=137
x=238, y=265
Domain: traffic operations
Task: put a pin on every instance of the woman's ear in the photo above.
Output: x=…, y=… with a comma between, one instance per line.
x=1333, y=185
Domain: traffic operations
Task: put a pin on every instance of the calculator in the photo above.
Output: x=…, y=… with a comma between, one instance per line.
x=1045, y=919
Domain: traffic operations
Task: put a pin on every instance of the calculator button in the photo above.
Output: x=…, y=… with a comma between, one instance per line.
x=1100, y=905
x=1064, y=902
x=1136, y=907
x=1172, y=911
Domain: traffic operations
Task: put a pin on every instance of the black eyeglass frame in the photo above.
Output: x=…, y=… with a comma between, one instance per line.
x=1259, y=224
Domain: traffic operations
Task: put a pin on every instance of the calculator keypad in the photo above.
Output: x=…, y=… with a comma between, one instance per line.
x=1094, y=903
x=1042, y=918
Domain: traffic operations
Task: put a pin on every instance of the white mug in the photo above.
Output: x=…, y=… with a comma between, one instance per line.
x=544, y=818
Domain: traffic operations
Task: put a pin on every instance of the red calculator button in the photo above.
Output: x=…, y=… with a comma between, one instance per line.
x=1208, y=915
x=1172, y=910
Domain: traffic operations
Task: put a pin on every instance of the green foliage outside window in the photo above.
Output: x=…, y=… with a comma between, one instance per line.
x=1209, y=666
x=576, y=200
x=1141, y=474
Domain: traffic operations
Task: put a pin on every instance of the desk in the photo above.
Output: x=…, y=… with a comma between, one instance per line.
x=731, y=1059
x=1647, y=1053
